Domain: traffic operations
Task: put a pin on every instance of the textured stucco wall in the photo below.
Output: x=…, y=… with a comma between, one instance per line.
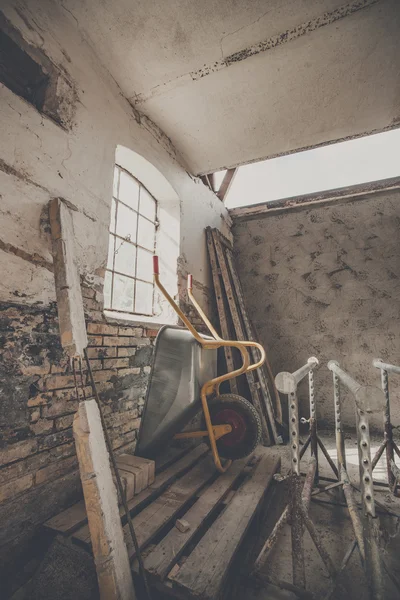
x=324, y=281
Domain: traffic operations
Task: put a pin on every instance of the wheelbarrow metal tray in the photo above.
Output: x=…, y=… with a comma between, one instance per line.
x=180, y=367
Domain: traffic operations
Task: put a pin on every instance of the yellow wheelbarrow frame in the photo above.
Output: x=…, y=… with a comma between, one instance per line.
x=214, y=432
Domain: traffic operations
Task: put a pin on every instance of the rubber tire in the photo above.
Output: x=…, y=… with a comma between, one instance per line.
x=253, y=425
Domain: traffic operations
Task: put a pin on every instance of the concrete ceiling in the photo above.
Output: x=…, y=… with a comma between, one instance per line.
x=233, y=81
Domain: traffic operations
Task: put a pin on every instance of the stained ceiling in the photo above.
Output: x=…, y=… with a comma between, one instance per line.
x=234, y=81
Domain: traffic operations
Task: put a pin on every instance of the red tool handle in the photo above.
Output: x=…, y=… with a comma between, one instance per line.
x=156, y=270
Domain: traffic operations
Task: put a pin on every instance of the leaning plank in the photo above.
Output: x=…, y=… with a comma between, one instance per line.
x=110, y=554
x=203, y=573
x=250, y=336
x=71, y=316
x=241, y=336
x=162, y=481
x=221, y=307
x=169, y=550
x=149, y=522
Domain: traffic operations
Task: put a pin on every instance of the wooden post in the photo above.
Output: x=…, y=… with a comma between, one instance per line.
x=68, y=289
x=109, y=549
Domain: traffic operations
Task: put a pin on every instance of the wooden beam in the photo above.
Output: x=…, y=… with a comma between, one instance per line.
x=109, y=550
x=240, y=335
x=71, y=316
x=220, y=306
x=226, y=183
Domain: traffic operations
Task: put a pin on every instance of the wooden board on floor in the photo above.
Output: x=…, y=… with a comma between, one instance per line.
x=74, y=518
x=149, y=522
x=203, y=573
x=164, y=556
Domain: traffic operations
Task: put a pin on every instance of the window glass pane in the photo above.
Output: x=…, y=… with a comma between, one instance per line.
x=123, y=293
x=146, y=233
x=125, y=258
x=128, y=190
x=126, y=222
x=115, y=182
x=110, y=260
x=107, y=289
x=144, y=298
x=144, y=265
x=147, y=204
x=112, y=220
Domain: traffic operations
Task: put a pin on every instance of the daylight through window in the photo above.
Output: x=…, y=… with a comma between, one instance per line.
x=129, y=277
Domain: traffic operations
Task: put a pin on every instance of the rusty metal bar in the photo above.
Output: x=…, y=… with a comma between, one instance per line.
x=353, y=511
x=296, y=516
x=272, y=539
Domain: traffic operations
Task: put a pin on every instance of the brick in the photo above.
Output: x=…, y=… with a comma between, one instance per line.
x=88, y=292
x=116, y=363
x=126, y=352
x=39, y=400
x=60, y=407
x=152, y=333
x=55, y=470
x=27, y=465
x=18, y=451
x=13, y=488
x=102, y=329
x=95, y=340
x=55, y=439
x=130, y=371
x=35, y=415
x=116, y=419
x=131, y=331
x=62, y=451
x=147, y=370
x=126, y=341
x=104, y=375
x=91, y=304
x=102, y=352
x=42, y=426
x=96, y=364
x=59, y=381
x=104, y=386
x=70, y=394
x=64, y=422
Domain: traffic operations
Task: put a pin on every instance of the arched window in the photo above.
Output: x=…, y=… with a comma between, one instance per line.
x=145, y=216
x=132, y=242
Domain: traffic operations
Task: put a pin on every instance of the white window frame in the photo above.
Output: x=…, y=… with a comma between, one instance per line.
x=118, y=239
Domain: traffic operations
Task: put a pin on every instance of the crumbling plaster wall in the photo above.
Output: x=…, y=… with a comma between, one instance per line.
x=323, y=281
x=40, y=160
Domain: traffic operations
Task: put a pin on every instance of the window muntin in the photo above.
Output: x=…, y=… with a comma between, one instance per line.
x=128, y=285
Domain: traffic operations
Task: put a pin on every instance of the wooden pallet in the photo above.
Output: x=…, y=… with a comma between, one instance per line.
x=219, y=509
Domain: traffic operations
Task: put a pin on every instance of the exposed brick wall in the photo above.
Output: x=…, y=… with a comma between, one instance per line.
x=38, y=466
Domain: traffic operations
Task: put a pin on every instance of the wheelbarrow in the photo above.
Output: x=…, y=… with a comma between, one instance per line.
x=184, y=381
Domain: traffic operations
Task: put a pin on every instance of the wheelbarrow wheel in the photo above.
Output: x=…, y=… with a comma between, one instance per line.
x=244, y=420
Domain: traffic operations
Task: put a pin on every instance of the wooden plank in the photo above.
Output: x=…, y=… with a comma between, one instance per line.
x=241, y=337
x=250, y=336
x=109, y=551
x=220, y=306
x=71, y=317
x=226, y=183
x=68, y=520
x=149, y=522
x=170, y=456
x=204, y=572
x=162, y=481
x=169, y=550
